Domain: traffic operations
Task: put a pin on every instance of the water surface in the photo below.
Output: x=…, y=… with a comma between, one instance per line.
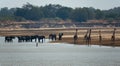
x=56, y=54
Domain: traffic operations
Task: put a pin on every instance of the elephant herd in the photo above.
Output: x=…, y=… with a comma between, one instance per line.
x=36, y=38
x=25, y=38
x=31, y=38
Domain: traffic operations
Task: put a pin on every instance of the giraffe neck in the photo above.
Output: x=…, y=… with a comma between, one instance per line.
x=99, y=33
x=89, y=33
x=114, y=32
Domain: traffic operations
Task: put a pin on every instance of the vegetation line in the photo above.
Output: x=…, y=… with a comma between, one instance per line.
x=58, y=12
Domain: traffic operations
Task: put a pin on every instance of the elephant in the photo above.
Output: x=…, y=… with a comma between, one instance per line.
x=34, y=37
x=41, y=38
x=9, y=38
x=60, y=36
x=24, y=38
x=52, y=37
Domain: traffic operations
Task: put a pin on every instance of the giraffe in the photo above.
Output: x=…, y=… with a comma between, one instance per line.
x=85, y=37
x=75, y=37
x=100, y=37
x=89, y=37
x=113, y=36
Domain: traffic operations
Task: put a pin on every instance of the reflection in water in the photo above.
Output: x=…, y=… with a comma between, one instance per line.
x=56, y=54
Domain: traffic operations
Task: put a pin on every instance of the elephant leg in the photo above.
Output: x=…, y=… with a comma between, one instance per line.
x=42, y=40
x=38, y=40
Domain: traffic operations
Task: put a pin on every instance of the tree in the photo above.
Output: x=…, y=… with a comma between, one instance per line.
x=6, y=14
x=91, y=13
x=79, y=15
x=50, y=10
x=64, y=12
x=29, y=12
x=99, y=14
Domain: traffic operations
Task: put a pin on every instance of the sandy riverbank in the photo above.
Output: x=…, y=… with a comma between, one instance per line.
x=106, y=34
x=81, y=41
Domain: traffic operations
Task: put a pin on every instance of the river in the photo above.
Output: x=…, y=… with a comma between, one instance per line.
x=56, y=54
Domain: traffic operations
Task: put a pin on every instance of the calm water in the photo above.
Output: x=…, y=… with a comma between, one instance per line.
x=57, y=54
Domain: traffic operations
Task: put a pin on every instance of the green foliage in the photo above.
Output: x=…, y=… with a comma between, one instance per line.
x=64, y=12
x=35, y=13
x=99, y=14
x=82, y=14
x=50, y=10
x=29, y=12
x=7, y=14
